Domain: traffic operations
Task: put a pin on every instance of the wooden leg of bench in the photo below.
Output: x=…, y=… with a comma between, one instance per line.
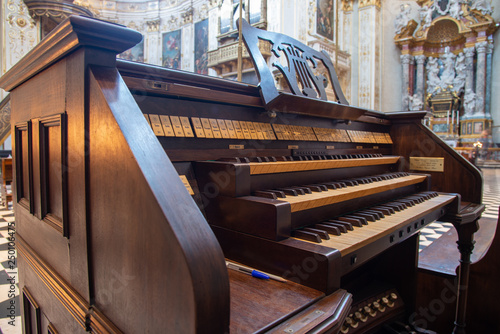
x=465, y=246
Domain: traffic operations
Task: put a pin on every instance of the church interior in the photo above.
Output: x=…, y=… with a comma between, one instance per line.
x=249, y=166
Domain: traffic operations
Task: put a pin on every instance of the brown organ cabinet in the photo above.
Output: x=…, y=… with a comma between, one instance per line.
x=134, y=183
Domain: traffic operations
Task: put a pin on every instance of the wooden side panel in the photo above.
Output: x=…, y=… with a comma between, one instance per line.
x=152, y=249
x=459, y=176
x=27, y=111
x=48, y=303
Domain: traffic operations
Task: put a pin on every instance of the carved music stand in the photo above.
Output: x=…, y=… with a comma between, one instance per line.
x=307, y=89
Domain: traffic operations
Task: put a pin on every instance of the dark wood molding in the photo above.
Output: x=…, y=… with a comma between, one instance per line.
x=51, y=329
x=99, y=324
x=31, y=312
x=25, y=200
x=59, y=222
x=74, y=32
x=76, y=305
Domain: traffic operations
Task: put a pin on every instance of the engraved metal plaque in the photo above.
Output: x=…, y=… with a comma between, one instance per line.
x=427, y=164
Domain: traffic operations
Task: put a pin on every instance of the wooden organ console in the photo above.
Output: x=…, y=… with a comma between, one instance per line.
x=134, y=184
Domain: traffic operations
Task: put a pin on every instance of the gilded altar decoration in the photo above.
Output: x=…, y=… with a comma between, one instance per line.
x=450, y=44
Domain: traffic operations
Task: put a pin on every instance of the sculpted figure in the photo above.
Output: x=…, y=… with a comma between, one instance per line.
x=455, y=9
x=426, y=17
x=433, y=80
x=459, y=81
x=416, y=103
x=402, y=19
x=484, y=6
x=469, y=102
x=449, y=69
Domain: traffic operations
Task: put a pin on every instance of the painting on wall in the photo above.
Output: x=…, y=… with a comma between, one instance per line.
x=135, y=54
x=201, y=47
x=324, y=18
x=171, y=52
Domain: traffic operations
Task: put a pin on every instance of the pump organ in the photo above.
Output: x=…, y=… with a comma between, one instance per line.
x=163, y=174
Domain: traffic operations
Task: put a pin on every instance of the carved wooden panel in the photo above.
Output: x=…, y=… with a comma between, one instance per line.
x=23, y=159
x=301, y=64
x=32, y=315
x=53, y=172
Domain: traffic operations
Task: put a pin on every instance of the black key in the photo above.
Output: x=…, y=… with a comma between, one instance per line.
x=328, y=228
x=330, y=185
x=401, y=206
x=289, y=191
x=278, y=193
x=255, y=159
x=265, y=194
x=321, y=186
x=379, y=214
x=355, y=220
x=315, y=188
x=384, y=209
x=415, y=198
x=407, y=200
x=322, y=234
x=305, y=235
x=306, y=190
x=347, y=225
x=299, y=191
x=272, y=159
x=339, y=227
x=370, y=217
x=351, y=183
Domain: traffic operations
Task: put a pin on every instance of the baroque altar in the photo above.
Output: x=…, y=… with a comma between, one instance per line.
x=446, y=51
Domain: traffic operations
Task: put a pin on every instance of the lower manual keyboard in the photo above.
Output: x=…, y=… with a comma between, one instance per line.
x=393, y=220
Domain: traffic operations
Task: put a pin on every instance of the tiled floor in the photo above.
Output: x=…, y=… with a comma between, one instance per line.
x=491, y=199
x=8, y=270
x=10, y=307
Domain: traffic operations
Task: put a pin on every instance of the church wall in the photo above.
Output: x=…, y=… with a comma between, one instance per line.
x=495, y=87
x=391, y=72
x=19, y=34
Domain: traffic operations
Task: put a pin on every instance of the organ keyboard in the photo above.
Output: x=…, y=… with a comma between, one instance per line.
x=162, y=175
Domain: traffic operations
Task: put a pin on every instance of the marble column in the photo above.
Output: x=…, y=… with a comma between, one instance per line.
x=420, y=76
x=469, y=69
x=405, y=62
x=489, y=54
x=369, y=51
x=481, y=76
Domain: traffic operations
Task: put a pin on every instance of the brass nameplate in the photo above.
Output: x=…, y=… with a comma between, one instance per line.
x=427, y=164
x=293, y=147
x=186, y=184
x=236, y=147
x=359, y=147
x=330, y=147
